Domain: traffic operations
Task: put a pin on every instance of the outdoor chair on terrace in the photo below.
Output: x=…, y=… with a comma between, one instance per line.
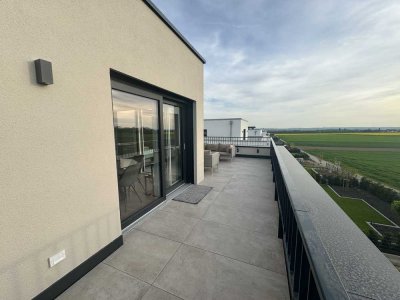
x=211, y=160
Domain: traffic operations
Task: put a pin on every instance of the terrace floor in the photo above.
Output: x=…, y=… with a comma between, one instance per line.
x=225, y=247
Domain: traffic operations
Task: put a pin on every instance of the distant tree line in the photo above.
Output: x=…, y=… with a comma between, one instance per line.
x=277, y=140
x=297, y=153
x=388, y=242
x=332, y=130
x=376, y=189
x=396, y=206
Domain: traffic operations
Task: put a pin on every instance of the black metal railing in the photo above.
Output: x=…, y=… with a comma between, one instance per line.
x=239, y=141
x=327, y=256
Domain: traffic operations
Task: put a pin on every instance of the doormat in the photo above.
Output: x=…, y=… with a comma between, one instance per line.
x=193, y=194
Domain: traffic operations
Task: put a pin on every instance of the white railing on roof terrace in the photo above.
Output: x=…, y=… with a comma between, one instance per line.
x=261, y=142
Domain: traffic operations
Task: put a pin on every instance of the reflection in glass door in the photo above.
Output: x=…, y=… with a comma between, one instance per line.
x=172, y=145
x=136, y=130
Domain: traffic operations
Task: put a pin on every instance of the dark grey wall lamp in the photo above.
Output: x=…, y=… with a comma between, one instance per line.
x=44, y=72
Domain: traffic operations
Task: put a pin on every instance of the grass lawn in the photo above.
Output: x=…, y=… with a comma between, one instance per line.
x=359, y=211
x=380, y=166
x=358, y=140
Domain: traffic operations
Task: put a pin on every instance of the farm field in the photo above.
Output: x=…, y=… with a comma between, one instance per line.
x=357, y=210
x=380, y=166
x=373, y=155
x=351, y=140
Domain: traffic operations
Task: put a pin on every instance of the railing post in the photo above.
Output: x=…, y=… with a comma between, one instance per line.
x=304, y=277
x=280, y=229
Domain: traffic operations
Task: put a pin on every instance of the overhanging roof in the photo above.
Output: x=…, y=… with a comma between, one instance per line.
x=222, y=119
x=167, y=22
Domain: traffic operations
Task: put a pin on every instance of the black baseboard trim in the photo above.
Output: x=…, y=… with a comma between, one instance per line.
x=65, y=282
x=132, y=218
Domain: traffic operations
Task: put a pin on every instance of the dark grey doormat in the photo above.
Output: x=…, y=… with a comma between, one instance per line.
x=193, y=194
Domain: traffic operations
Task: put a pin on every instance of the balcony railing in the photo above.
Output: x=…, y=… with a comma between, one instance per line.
x=327, y=255
x=239, y=141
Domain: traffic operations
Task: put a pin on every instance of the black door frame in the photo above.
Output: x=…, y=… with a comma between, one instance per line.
x=128, y=84
x=182, y=133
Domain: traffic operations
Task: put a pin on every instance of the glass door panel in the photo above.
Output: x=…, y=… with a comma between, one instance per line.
x=136, y=130
x=172, y=145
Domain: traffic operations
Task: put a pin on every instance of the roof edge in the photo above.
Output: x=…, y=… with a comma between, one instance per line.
x=223, y=119
x=167, y=22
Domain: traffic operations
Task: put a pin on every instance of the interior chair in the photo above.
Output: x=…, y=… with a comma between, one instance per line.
x=128, y=180
x=140, y=159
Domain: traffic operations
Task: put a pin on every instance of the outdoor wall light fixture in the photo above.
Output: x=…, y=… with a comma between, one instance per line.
x=44, y=72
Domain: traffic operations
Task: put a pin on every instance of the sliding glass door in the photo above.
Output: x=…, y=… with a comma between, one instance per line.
x=153, y=131
x=173, y=150
x=136, y=129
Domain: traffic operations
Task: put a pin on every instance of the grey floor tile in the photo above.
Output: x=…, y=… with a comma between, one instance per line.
x=187, y=209
x=251, y=186
x=157, y=294
x=143, y=255
x=168, y=225
x=267, y=224
x=238, y=216
x=197, y=274
x=105, y=282
x=218, y=177
x=211, y=195
x=250, y=189
x=217, y=186
x=254, y=248
x=247, y=203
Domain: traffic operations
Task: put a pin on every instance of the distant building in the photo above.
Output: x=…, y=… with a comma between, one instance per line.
x=257, y=132
x=234, y=127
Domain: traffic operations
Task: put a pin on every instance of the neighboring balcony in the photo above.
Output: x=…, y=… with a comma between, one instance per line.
x=225, y=247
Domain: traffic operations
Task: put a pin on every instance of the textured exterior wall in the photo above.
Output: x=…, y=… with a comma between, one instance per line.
x=244, y=125
x=57, y=170
x=222, y=127
x=239, y=126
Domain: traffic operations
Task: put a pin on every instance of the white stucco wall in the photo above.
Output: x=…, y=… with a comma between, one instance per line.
x=254, y=151
x=58, y=178
x=222, y=127
x=243, y=126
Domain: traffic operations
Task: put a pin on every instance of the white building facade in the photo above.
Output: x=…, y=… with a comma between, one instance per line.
x=234, y=127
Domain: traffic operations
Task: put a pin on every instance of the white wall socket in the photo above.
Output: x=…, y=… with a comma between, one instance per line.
x=55, y=259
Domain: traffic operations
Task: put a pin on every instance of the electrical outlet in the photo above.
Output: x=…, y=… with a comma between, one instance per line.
x=55, y=259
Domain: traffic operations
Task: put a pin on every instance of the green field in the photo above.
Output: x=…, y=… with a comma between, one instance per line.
x=359, y=211
x=380, y=166
x=358, y=140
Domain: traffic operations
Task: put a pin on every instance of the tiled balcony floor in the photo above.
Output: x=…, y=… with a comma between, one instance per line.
x=226, y=247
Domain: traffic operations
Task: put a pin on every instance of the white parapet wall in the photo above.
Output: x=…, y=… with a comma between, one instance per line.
x=253, y=151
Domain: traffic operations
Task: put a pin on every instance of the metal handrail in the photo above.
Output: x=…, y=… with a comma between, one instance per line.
x=327, y=255
x=239, y=141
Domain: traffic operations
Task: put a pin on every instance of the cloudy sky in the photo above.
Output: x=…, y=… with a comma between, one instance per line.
x=281, y=63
